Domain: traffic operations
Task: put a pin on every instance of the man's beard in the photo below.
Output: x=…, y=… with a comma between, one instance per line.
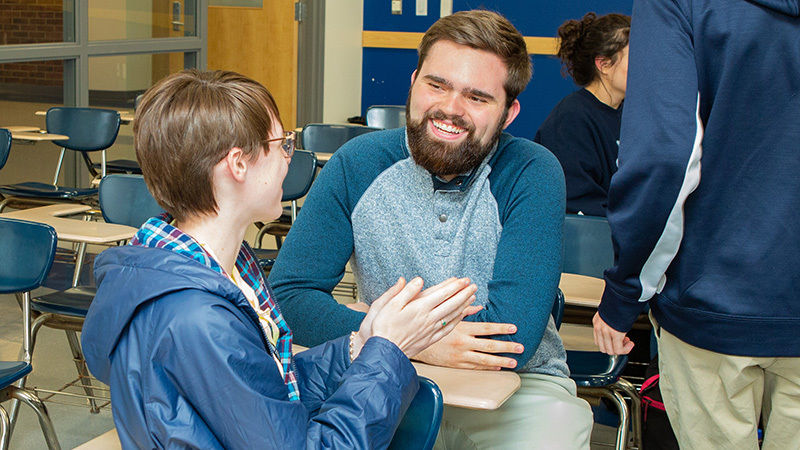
x=442, y=158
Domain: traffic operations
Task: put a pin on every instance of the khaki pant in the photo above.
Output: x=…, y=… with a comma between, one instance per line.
x=544, y=413
x=714, y=400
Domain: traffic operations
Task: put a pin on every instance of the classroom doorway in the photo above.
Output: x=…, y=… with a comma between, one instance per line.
x=260, y=42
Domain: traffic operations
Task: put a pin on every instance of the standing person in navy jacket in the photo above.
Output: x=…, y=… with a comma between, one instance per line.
x=704, y=212
x=583, y=129
x=184, y=327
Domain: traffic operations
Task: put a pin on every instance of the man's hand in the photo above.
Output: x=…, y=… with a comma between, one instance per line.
x=609, y=340
x=463, y=349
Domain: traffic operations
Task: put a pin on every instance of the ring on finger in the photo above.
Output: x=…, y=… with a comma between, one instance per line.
x=444, y=323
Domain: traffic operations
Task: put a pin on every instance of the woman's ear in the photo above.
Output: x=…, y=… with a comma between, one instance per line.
x=235, y=162
x=602, y=64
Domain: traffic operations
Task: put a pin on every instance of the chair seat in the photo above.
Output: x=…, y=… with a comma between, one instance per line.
x=121, y=165
x=72, y=302
x=45, y=190
x=266, y=258
x=594, y=369
x=11, y=371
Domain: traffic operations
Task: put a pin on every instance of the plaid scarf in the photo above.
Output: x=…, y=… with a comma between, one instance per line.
x=158, y=233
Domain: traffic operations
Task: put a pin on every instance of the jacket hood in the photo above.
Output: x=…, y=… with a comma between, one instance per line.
x=788, y=7
x=130, y=276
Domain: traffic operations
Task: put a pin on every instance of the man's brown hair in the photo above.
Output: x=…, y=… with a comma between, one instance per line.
x=489, y=31
x=186, y=123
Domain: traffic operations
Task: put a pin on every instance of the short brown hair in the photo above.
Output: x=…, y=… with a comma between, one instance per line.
x=186, y=123
x=489, y=31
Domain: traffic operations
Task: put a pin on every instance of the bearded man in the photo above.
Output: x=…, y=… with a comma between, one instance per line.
x=451, y=195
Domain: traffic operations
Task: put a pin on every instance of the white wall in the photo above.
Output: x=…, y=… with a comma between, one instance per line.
x=344, y=21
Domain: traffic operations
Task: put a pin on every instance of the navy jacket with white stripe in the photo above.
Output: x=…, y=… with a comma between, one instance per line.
x=705, y=207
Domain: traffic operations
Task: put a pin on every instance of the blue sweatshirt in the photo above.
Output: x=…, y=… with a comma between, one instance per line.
x=374, y=206
x=583, y=133
x=705, y=206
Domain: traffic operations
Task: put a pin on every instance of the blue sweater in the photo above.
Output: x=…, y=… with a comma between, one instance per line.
x=583, y=133
x=374, y=206
x=189, y=366
x=705, y=206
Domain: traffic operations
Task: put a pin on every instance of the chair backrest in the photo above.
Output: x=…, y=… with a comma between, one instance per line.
x=587, y=245
x=125, y=200
x=327, y=138
x=558, y=308
x=386, y=116
x=26, y=254
x=89, y=129
x=420, y=425
x=5, y=146
x=302, y=171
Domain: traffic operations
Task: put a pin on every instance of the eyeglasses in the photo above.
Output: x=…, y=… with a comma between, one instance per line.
x=287, y=142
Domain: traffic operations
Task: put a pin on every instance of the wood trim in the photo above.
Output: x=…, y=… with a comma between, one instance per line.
x=391, y=39
x=541, y=45
x=402, y=39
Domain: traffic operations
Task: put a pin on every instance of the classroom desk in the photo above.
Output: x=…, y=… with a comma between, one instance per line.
x=74, y=230
x=20, y=128
x=580, y=290
x=466, y=388
x=32, y=134
x=471, y=389
x=125, y=117
x=322, y=158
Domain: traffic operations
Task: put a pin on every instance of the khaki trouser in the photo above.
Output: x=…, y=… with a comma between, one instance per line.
x=714, y=400
x=544, y=413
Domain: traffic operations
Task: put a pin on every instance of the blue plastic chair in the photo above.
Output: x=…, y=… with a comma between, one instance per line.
x=420, y=426
x=300, y=176
x=89, y=130
x=588, y=250
x=327, y=138
x=26, y=252
x=386, y=116
x=5, y=146
x=125, y=200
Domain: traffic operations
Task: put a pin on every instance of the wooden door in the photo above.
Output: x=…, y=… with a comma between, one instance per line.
x=169, y=20
x=260, y=43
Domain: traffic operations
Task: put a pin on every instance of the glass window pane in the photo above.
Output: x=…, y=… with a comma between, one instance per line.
x=39, y=22
x=116, y=81
x=127, y=19
x=24, y=89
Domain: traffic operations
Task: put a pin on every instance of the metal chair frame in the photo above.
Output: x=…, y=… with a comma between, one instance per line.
x=41, y=240
x=589, y=251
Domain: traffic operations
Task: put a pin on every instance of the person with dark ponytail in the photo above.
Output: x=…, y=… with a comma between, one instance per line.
x=583, y=129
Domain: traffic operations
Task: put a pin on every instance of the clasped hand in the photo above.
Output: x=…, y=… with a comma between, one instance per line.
x=414, y=319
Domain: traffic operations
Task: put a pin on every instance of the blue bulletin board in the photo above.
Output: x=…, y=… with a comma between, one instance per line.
x=386, y=73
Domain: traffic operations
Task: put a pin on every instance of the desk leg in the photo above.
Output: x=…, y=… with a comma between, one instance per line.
x=79, y=263
x=83, y=371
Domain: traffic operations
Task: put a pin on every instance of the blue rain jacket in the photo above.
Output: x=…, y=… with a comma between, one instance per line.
x=188, y=366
